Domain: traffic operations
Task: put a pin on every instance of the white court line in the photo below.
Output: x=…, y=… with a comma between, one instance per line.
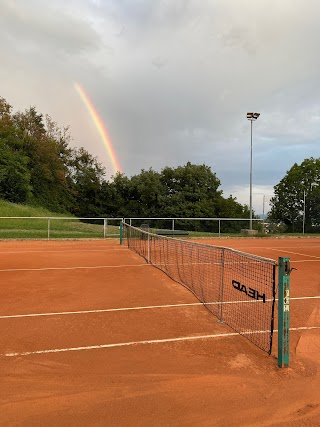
x=107, y=310
x=147, y=307
x=134, y=343
x=120, y=266
x=99, y=266
x=73, y=268
x=294, y=253
x=76, y=250
x=287, y=247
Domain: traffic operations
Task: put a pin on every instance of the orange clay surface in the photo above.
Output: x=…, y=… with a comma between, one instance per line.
x=215, y=381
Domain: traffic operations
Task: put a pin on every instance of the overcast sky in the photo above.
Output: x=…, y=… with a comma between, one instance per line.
x=173, y=80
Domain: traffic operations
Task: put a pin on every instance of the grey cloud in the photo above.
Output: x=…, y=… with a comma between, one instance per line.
x=238, y=37
x=41, y=26
x=173, y=79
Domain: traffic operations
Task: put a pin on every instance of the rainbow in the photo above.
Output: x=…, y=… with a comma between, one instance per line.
x=100, y=127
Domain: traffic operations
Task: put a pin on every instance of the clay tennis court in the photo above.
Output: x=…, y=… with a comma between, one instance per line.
x=93, y=335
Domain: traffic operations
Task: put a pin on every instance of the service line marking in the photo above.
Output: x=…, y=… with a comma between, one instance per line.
x=63, y=251
x=134, y=343
x=294, y=253
x=147, y=307
x=6, y=270
x=72, y=268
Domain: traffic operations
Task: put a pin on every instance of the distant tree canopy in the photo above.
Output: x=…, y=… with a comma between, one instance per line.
x=297, y=197
x=189, y=191
x=38, y=167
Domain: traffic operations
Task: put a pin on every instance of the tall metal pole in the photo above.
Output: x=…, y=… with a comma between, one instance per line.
x=252, y=117
x=251, y=179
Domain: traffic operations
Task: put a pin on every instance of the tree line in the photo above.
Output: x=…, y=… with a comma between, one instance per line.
x=38, y=167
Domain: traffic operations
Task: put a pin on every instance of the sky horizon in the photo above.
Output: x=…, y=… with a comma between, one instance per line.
x=172, y=82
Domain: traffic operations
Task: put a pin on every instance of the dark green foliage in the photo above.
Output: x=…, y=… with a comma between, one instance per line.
x=14, y=175
x=14, y=164
x=44, y=145
x=146, y=193
x=300, y=184
x=190, y=191
x=86, y=177
x=230, y=208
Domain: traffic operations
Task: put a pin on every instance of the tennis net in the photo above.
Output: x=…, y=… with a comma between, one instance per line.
x=238, y=288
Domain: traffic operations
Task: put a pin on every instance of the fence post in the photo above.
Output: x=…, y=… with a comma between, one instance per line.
x=284, y=312
x=48, y=228
x=173, y=224
x=121, y=232
x=219, y=226
x=104, y=228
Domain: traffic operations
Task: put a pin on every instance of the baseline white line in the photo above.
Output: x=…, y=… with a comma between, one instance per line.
x=72, y=268
x=147, y=307
x=134, y=343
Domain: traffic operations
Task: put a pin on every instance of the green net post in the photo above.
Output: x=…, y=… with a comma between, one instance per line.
x=121, y=232
x=284, y=312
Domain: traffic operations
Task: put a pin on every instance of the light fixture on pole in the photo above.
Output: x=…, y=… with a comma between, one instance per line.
x=252, y=117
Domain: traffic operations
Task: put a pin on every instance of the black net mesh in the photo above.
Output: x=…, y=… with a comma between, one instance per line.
x=238, y=288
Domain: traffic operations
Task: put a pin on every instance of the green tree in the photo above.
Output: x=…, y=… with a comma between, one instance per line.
x=87, y=177
x=230, y=208
x=189, y=191
x=14, y=176
x=298, y=193
x=117, y=196
x=146, y=191
x=14, y=164
x=46, y=147
x=5, y=112
x=30, y=122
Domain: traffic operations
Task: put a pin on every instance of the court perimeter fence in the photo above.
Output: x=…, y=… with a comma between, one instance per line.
x=103, y=227
x=58, y=227
x=216, y=226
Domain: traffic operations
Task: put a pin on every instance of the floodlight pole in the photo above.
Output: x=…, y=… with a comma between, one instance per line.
x=251, y=117
x=250, y=227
